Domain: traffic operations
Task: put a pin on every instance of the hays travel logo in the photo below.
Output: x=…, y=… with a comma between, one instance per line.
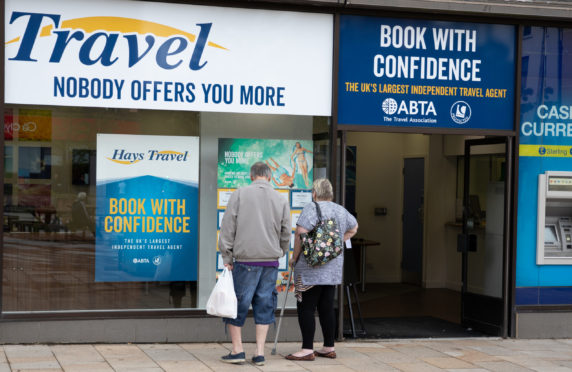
x=110, y=40
x=124, y=157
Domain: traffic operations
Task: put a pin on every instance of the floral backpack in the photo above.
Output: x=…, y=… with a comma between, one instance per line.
x=323, y=243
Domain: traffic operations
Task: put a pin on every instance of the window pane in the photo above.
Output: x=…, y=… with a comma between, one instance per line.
x=50, y=198
x=50, y=201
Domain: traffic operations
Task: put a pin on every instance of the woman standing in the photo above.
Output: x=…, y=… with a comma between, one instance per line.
x=315, y=286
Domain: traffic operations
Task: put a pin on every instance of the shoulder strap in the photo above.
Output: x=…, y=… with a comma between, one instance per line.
x=318, y=211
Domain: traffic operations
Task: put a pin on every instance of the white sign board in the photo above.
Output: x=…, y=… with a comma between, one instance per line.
x=125, y=156
x=130, y=54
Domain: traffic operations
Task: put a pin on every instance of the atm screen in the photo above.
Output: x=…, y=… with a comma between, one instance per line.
x=550, y=236
x=559, y=183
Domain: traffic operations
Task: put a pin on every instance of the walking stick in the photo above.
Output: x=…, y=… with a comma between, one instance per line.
x=282, y=311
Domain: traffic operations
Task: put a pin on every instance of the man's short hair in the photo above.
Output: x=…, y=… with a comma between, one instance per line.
x=260, y=169
x=323, y=189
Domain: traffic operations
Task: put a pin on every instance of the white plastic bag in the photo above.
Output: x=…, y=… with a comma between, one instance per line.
x=222, y=301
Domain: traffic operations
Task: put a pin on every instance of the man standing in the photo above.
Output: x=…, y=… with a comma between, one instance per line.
x=255, y=234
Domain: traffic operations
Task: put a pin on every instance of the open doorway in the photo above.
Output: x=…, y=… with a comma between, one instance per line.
x=407, y=191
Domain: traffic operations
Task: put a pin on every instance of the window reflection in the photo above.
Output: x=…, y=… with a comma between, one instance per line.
x=49, y=209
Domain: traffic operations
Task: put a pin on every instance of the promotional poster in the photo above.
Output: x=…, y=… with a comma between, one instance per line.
x=291, y=163
x=419, y=73
x=147, y=208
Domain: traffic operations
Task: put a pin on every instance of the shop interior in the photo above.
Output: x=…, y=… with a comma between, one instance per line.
x=404, y=271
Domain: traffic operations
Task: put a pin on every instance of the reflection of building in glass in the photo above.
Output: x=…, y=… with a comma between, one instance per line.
x=546, y=71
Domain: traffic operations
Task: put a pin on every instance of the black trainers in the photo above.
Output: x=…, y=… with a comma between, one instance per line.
x=234, y=358
x=258, y=360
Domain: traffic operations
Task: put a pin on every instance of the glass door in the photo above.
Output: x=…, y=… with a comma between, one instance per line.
x=484, y=243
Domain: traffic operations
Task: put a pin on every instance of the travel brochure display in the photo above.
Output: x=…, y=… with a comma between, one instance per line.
x=291, y=163
x=147, y=208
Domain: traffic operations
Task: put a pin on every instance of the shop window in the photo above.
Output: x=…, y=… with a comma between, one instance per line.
x=49, y=247
x=50, y=243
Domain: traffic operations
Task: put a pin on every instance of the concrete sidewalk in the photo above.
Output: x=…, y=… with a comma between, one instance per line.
x=489, y=354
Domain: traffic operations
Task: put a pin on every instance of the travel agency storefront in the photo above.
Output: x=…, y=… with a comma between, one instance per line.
x=127, y=126
x=497, y=91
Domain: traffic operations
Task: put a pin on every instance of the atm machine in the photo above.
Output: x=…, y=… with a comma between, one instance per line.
x=554, y=229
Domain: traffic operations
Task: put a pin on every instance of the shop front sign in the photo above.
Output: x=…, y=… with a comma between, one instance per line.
x=147, y=208
x=130, y=54
x=418, y=73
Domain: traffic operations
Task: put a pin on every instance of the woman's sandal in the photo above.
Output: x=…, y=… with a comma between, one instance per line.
x=331, y=354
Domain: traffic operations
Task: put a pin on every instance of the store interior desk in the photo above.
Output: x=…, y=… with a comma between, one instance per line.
x=362, y=244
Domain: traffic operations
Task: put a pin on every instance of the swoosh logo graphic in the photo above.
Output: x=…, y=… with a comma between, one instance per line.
x=120, y=24
x=170, y=152
x=125, y=162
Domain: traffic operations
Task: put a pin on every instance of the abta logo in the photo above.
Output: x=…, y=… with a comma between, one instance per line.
x=460, y=112
x=389, y=106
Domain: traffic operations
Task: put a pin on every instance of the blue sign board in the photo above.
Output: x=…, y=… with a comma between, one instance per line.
x=545, y=147
x=150, y=235
x=419, y=73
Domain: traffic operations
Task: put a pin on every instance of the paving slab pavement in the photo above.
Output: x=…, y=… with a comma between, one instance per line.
x=419, y=355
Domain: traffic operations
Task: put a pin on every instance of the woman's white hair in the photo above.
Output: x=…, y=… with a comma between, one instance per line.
x=323, y=189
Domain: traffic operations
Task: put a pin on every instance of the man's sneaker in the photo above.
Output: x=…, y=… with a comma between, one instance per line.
x=258, y=360
x=233, y=358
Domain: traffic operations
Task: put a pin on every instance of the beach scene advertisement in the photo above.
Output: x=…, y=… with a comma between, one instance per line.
x=291, y=162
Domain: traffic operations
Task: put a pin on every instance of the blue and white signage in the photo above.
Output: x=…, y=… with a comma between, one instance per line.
x=544, y=221
x=130, y=54
x=417, y=73
x=147, y=208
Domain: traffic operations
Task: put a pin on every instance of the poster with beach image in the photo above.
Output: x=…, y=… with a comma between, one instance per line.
x=291, y=162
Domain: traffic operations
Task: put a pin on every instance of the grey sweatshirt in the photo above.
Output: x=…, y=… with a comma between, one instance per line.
x=256, y=225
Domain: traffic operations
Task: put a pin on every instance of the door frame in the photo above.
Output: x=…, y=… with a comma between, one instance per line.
x=507, y=228
x=338, y=163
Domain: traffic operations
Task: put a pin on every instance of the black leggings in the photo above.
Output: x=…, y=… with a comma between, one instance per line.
x=322, y=298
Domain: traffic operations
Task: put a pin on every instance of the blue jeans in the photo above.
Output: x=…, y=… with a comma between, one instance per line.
x=254, y=285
